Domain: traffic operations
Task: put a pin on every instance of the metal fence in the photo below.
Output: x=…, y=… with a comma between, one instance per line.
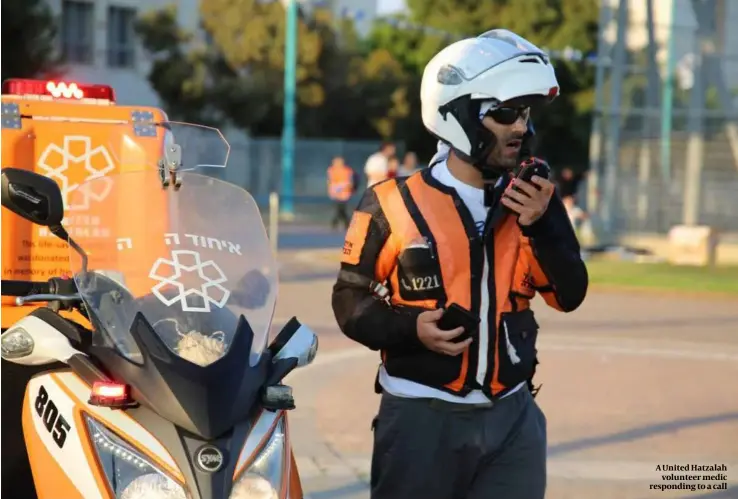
x=255, y=164
x=664, y=148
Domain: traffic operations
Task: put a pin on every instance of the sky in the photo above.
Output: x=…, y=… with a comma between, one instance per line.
x=388, y=6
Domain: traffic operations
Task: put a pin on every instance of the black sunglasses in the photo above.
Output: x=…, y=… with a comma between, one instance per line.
x=509, y=115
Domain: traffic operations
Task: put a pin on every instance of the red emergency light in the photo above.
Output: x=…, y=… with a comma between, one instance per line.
x=110, y=394
x=58, y=89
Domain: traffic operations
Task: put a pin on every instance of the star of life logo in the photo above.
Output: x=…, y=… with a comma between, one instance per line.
x=198, y=284
x=78, y=150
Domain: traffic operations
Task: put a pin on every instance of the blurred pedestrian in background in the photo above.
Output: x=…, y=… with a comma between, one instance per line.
x=576, y=214
x=568, y=181
x=341, y=186
x=568, y=184
x=377, y=165
x=409, y=165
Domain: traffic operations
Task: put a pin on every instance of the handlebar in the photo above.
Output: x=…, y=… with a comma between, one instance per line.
x=54, y=286
x=22, y=300
x=24, y=288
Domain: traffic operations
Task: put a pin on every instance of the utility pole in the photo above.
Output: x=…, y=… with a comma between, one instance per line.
x=648, y=121
x=612, y=149
x=596, y=137
x=290, y=90
x=667, y=102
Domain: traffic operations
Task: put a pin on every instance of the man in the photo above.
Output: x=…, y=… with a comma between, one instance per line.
x=457, y=417
x=576, y=214
x=341, y=185
x=568, y=182
x=409, y=164
x=376, y=168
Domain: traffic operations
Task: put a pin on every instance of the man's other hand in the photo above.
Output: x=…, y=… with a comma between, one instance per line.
x=532, y=202
x=438, y=340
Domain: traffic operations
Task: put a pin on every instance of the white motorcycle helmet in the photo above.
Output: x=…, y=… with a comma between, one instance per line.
x=474, y=76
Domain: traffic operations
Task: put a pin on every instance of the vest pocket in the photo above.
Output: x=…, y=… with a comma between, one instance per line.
x=424, y=366
x=516, y=341
x=419, y=275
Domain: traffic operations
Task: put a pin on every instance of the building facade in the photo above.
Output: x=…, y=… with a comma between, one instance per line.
x=97, y=40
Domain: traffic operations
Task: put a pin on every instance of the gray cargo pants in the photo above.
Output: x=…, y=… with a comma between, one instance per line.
x=431, y=449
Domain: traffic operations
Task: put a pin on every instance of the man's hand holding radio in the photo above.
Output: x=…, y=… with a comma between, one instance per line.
x=531, y=200
x=436, y=339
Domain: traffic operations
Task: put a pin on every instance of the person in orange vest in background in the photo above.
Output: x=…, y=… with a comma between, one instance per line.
x=341, y=185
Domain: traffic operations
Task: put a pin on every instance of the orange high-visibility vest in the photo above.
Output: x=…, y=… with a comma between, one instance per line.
x=340, y=182
x=434, y=256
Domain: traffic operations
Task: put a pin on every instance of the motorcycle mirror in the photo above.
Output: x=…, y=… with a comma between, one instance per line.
x=32, y=196
x=39, y=200
x=295, y=341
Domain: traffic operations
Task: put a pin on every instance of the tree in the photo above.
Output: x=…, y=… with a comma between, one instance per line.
x=237, y=76
x=249, y=34
x=181, y=78
x=409, y=50
x=28, y=39
x=355, y=98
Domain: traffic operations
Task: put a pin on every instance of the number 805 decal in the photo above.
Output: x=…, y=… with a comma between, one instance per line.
x=49, y=414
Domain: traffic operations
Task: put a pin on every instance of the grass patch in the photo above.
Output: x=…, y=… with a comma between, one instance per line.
x=662, y=276
x=647, y=276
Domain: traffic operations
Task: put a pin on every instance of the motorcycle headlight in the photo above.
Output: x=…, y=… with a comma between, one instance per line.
x=264, y=478
x=130, y=474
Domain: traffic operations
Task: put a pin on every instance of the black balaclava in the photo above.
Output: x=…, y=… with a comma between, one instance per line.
x=467, y=112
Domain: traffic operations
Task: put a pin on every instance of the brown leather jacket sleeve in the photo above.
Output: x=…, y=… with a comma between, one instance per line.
x=560, y=274
x=367, y=260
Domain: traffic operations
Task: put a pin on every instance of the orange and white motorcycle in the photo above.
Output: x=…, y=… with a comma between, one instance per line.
x=169, y=391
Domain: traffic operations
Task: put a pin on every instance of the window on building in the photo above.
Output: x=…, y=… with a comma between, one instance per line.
x=78, y=31
x=121, y=37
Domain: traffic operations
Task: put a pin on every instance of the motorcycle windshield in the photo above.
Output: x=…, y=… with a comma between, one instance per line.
x=191, y=260
x=199, y=146
x=176, y=274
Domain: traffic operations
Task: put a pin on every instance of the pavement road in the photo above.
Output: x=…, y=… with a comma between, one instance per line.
x=630, y=382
